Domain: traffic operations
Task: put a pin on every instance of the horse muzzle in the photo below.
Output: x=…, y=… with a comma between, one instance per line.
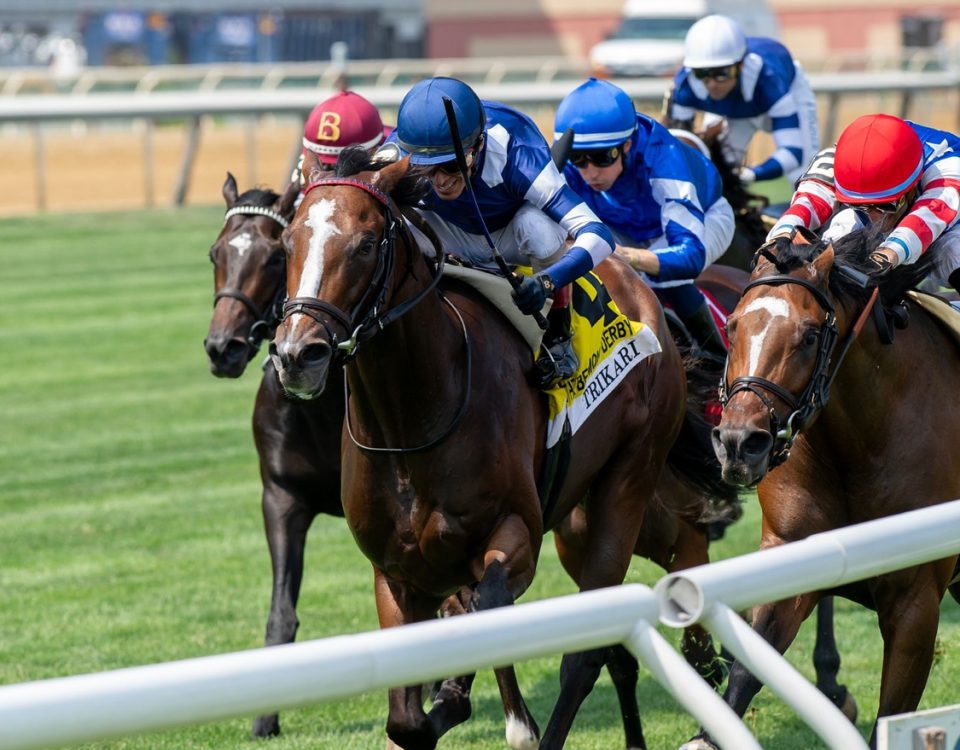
x=228, y=355
x=303, y=367
x=743, y=453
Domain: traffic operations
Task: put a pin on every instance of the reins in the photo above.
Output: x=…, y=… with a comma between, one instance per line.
x=816, y=394
x=375, y=320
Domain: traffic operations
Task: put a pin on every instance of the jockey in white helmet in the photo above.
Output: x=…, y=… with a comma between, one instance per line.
x=755, y=84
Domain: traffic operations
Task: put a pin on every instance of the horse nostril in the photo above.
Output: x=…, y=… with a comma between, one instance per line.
x=757, y=444
x=314, y=354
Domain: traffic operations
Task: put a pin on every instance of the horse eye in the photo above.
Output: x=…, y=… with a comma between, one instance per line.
x=275, y=260
x=810, y=336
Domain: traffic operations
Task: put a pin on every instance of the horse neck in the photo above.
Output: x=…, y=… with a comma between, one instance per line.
x=410, y=375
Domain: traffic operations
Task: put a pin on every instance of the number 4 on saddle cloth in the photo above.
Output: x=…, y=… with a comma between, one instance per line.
x=608, y=345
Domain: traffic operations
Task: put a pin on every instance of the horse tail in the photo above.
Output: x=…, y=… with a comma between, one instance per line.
x=692, y=457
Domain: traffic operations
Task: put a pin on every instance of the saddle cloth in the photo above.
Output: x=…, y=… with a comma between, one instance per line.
x=607, y=343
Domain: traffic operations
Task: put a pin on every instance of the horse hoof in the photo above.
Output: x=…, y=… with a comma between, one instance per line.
x=521, y=736
x=698, y=743
x=266, y=726
x=849, y=708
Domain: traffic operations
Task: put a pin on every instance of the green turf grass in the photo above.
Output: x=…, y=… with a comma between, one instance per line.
x=131, y=526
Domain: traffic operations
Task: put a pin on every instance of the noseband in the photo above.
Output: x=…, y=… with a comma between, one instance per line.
x=266, y=320
x=374, y=320
x=817, y=391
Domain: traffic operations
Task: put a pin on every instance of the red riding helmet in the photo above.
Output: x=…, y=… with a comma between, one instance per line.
x=345, y=119
x=879, y=158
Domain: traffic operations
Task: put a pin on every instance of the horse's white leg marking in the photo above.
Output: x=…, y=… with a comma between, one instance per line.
x=774, y=308
x=519, y=735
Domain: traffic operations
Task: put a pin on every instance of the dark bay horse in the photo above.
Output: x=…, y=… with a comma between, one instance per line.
x=444, y=436
x=838, y=428
x=298, y=442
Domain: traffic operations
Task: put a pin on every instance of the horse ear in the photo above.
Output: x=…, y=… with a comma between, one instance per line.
x=387, y=178
x=824, y=262
x=289, y=197
x=230, y=193
x=310, y=169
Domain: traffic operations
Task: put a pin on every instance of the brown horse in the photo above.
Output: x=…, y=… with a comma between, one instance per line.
x=835, y=424
x=298, y=442
x=445, y=435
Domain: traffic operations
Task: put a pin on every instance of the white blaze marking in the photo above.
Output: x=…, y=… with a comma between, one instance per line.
x=322, y=229
x=242, y=242
x=775, y=308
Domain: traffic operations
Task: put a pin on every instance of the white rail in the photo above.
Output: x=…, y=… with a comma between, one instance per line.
x=68, y=710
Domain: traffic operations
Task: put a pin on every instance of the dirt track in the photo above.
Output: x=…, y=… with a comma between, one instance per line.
x=89, y=168
x=102, y=167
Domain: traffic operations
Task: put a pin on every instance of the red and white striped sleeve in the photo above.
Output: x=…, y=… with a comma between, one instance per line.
x=935, y=210
x=812, y=204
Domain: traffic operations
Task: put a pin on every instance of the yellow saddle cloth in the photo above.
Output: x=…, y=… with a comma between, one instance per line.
x=608, y=345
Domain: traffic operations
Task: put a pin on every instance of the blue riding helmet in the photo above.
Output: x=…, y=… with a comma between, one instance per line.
x=422, y=127
x=601, y=115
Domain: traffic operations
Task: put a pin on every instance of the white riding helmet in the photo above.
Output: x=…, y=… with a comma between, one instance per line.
x=713, y=42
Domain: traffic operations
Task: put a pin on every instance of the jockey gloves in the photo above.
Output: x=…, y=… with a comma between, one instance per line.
x=345, y=119
x=714, y=42
x=600, y=114
x=422, y=126
x=879, y=158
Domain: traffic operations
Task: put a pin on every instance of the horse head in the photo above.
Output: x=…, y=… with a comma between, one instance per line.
x=782, y=334
x=341, y=268
x=248, y=263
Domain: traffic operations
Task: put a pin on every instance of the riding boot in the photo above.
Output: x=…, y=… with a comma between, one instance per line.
x=704, y=329
x=559, y=361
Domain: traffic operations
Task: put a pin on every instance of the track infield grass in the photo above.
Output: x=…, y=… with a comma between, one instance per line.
x=131, y=526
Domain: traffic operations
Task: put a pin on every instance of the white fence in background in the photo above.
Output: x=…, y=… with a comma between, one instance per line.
x=151, y=107
x=72, y=710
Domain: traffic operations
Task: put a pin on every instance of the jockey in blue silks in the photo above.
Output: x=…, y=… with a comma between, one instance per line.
x=755, y=84
x=526, y=206
x=662, y=199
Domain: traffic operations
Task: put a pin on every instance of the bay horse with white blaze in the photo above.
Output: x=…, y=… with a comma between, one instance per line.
x=838, y=428
x=444, y=438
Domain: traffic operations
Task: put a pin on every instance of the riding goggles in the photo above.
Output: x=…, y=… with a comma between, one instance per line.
x=451, y=167
x=886, y=207
x=724, y=73
x=603, y=157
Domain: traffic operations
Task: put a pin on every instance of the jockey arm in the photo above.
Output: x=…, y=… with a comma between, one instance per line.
x=935, y=210
x=814, y=201
x=786, y=137
x=592, y=240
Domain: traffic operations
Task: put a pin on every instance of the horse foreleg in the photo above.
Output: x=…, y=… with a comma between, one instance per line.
x=826, y=661
x=908, y=622
x=407, y=724
x=612, y=529
x=509, y=545
x=286, y=522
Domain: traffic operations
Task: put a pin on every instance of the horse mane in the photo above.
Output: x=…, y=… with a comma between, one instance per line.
x=410, y=189
x=257, y=197
x=853, y=251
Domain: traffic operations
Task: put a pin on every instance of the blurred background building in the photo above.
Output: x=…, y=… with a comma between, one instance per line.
x=156, y=32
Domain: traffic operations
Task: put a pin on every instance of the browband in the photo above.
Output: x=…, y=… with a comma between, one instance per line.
x=256, y=210
x=350, y=181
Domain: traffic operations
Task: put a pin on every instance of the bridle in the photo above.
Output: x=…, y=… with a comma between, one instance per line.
x=376, y=318
x=817, y=391
x=267, y=319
